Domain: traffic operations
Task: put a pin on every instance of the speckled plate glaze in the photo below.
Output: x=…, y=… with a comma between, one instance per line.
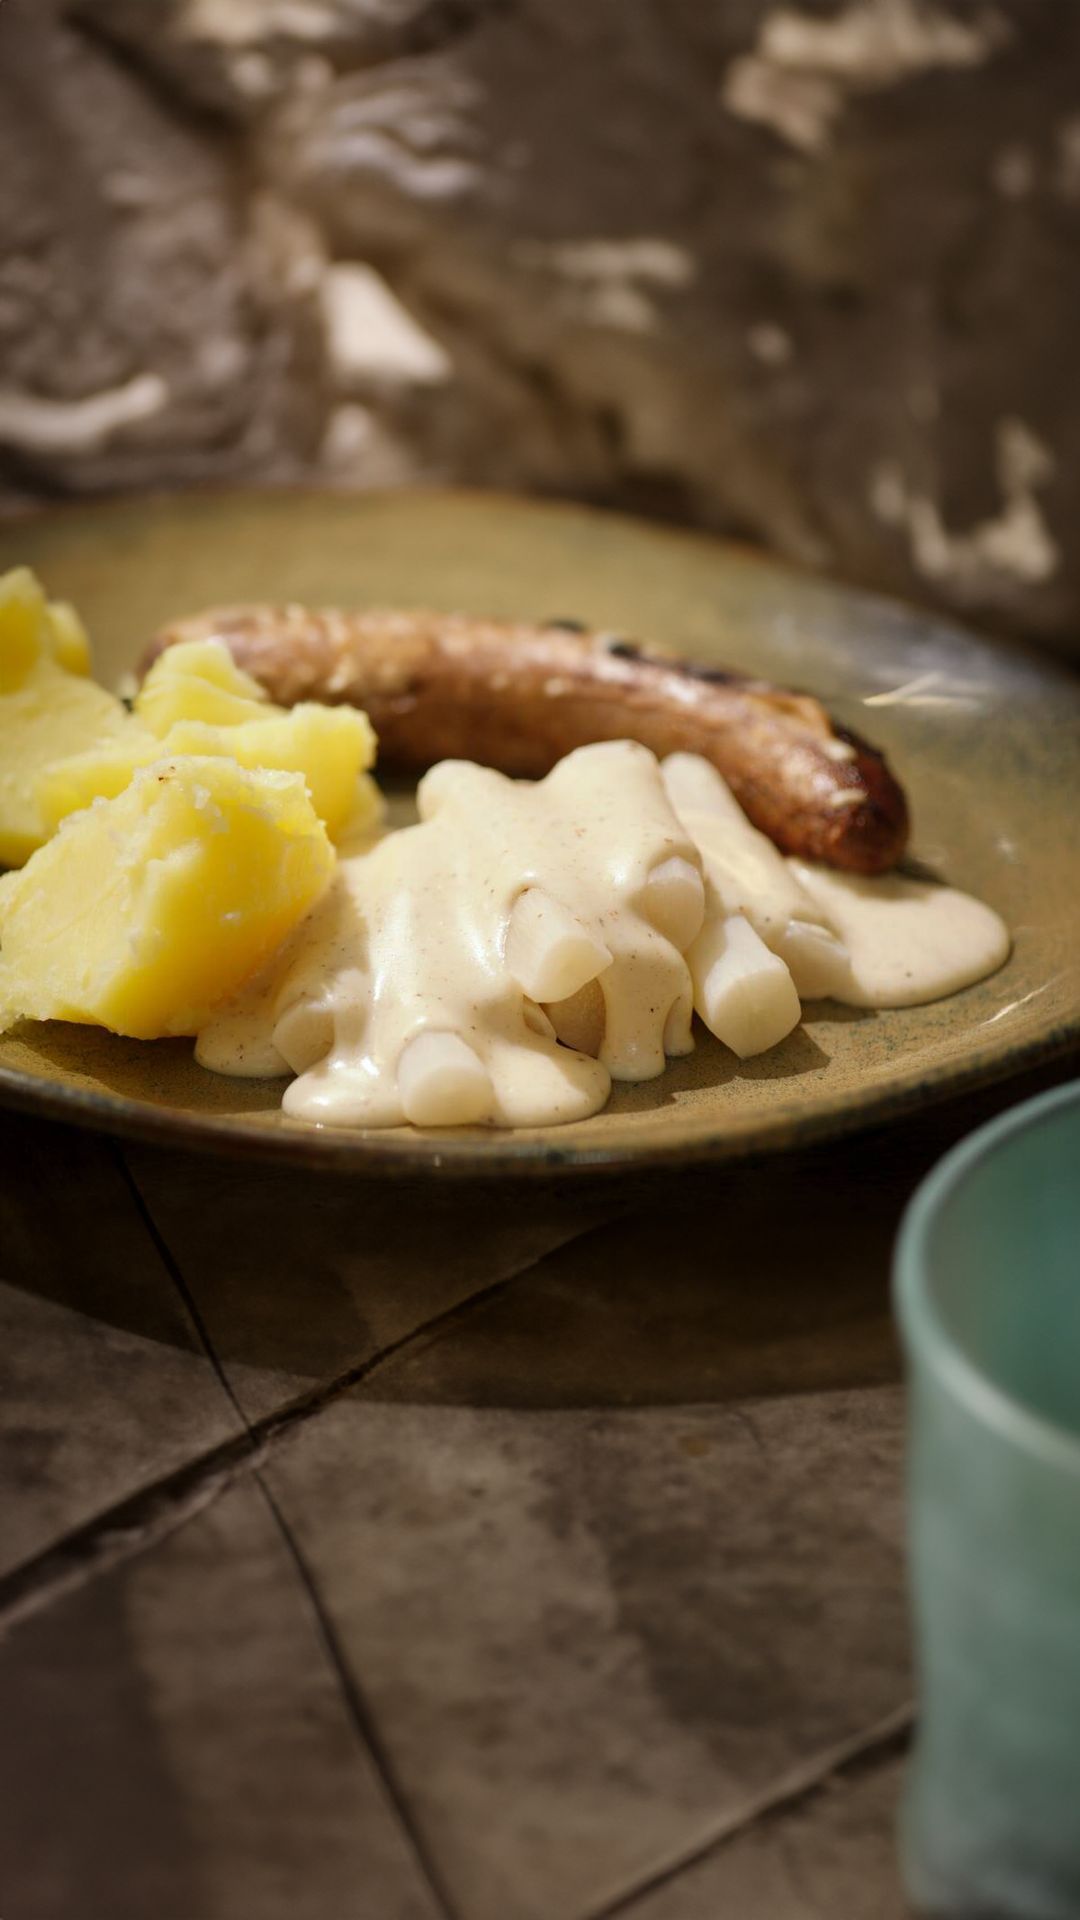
x=986, y=738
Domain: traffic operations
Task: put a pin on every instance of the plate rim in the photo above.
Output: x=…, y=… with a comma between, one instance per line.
x=473, y=1153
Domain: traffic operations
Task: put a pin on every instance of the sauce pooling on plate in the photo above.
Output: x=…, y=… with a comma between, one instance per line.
x=527, y=943
x=908, y=941
x=887, y=940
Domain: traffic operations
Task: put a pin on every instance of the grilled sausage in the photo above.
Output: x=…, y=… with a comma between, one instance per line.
x=518, y=697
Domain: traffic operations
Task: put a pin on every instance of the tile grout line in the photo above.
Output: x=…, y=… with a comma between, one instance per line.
x=153, y=1511
x=175, y=1272
x=801, y=1782
x=120, y=1532
x=305, y=1406
x=141, y=1519
x=149, y=1516
x=136, y=1523
x=360, y=1714
x=348, y=1684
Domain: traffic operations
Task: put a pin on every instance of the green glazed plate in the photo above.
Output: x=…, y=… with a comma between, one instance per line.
x=985, y=737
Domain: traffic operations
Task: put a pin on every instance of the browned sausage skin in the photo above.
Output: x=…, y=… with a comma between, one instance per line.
x=518, y=697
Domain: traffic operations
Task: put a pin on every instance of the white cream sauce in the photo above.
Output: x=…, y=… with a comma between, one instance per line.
x=752, y=878
x=436, y=979
x=414, y=992
x=886, y=941
x=908, y=941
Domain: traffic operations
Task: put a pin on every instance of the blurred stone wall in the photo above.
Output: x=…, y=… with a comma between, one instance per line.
x=808, y=273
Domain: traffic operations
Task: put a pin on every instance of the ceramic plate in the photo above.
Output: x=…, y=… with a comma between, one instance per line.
x=985, y=736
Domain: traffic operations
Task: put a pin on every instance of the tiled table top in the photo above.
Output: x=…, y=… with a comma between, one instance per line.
x=372, y=1552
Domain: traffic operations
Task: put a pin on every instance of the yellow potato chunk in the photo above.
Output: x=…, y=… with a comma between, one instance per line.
x=22, y=619
x=198, y=680
x=48, y=709
x=100, y=773
x=33, y=629
x=145, y=911
x=330, y=746
x=50, y=715
x=70, y=641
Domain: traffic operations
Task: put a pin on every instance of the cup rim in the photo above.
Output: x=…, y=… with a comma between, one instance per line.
x=922, y=1326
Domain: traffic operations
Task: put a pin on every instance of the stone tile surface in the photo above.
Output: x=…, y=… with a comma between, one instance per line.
x=103, y=1384
x=588, y=1636
x=175, y=1747
x=714, y=1290
x=602, y=1512
x=300, y=1278
x=830, y=1857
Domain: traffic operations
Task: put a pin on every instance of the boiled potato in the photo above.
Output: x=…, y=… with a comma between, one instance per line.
x=33, y=629
x=69, y=639
x=330, y=746
x=65, y=742
x=198, y=680
x=52, y=714
x=47, y=708
x=147, y=910
x=99, y=773
x=22, y=624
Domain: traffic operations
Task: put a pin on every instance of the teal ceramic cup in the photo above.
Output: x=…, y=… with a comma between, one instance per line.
x=987, y=1288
